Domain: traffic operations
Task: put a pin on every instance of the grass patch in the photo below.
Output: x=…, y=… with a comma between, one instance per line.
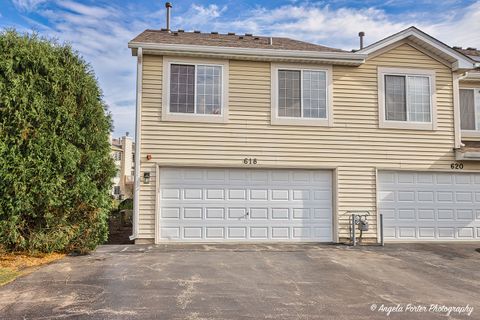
x=7, y=275
x=13, y=265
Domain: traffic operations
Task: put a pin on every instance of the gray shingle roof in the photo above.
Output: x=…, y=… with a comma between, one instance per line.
x=473, y=53
x=228, y=40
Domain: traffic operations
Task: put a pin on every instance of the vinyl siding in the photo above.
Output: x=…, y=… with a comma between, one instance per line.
x=354, y=145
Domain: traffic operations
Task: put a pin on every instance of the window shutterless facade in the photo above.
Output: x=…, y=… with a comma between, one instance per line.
x=470, y=111
x=301, y=95
x=406, y=99
x=195, y=90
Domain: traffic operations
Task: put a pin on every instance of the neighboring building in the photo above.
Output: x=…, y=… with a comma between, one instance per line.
x=123, y=152
x=249, y=138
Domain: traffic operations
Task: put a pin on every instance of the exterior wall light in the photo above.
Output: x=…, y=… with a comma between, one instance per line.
x=146, y=177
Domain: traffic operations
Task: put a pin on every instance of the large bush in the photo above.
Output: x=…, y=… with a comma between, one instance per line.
x=55, y=164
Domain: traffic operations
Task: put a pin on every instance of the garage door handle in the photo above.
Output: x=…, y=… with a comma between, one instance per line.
x=247, y=213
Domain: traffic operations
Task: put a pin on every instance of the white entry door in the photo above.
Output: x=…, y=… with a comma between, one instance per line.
x=216, y=205
x=430, y=205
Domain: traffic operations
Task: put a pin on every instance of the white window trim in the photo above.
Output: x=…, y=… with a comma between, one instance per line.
x=476, y=97
x=193, y=117
x=276, y=120
x=391, y=124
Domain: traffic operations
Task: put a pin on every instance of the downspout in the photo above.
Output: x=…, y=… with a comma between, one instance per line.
x=136, y=193
x=456, y=109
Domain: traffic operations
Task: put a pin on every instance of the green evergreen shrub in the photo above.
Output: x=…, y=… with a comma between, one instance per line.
x=55, y=163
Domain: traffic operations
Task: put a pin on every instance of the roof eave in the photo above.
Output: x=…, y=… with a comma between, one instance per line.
x=269, y=54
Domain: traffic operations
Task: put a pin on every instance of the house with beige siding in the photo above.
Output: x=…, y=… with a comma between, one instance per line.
x=244, y=138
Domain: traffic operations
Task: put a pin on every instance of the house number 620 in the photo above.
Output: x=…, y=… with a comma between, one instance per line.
x=456, y=166
x=250, y=161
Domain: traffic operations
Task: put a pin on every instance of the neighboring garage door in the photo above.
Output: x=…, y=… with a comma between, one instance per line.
x=216, y=205
x=426, y=206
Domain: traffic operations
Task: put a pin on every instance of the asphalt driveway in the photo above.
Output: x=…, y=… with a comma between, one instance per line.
x=302, y=281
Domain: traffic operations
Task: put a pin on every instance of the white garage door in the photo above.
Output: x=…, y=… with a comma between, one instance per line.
x=216, y=205
x=430, y=206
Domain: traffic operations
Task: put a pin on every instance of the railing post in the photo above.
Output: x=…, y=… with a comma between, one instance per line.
x=381, y=230
x=353, y=230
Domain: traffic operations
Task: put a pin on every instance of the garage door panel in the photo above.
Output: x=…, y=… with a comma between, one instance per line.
x=426, y=214
x=259, y=233
x=258, y=213
x=193, y=213
x=192, y=194
x=244, y=205
x=429, y=206
x=214, y=213
x=426, y=233
x=214, y=233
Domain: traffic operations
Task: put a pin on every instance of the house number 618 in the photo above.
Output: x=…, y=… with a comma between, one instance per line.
x=250, y=161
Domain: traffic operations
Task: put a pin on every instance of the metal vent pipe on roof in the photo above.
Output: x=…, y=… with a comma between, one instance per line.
x=168, y=5
x=361, y=34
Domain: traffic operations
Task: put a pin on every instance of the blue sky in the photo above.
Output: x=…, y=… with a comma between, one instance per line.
x=100, y=30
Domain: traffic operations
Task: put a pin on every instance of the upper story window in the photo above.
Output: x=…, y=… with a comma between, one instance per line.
x=470, y=111
x=117, y=156
x=407, y=99
x=301, y=95
x=195, y=90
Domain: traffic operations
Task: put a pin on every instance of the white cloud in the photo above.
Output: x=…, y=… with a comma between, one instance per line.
x=339, y=27
x=199, y=15
x=211, y=11
x=459, y=28
x=101, y=34
x=27, y=5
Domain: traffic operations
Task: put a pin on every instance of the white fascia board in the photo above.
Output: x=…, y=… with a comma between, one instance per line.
x=462, y=61
x=349, y=57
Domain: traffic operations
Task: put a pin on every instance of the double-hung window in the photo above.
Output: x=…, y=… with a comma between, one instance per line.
x=194, y=90
x=470, y=111
x=407, y=99
x=300, y=95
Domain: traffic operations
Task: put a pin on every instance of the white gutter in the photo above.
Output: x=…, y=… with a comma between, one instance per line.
x=348, y=57
x=471, y=76
x=467, y=155
x=136, y=186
